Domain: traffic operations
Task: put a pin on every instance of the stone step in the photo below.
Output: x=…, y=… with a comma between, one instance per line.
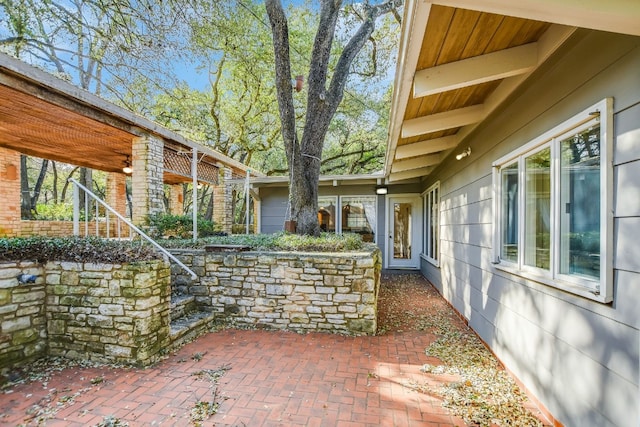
x=181, y=305
x=190, y=326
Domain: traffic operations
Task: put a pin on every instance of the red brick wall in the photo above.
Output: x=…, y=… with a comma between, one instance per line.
x=9, y=192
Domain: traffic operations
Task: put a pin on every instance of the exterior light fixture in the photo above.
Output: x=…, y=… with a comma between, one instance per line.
x=381, y=190
x=464, y=154
x=127, y=166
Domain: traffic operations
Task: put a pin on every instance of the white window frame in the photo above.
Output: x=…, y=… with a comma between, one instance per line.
x=600, y=289
x=427, y=201
x=336, y=214
x=357, y=196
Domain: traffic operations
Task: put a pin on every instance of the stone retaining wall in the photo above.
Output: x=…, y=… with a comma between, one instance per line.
x=23, y=323
x=102, y=312
x=335, y=292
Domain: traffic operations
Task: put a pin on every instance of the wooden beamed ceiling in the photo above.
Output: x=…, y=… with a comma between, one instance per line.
x=468, y=63
x=45, y=117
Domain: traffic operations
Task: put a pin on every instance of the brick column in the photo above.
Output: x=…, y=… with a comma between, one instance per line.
x=116, y=192
x=9, y=192
x=176, y=199
x=147, y=178
x=222, y=201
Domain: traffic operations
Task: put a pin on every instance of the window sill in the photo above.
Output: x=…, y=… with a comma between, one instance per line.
x=557, y=284
x=430, y=260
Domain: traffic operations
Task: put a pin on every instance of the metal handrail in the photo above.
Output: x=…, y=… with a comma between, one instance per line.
x=76, y=223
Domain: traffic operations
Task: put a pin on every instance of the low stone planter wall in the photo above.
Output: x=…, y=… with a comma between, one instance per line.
x=333, y=292
x=23, y=322
x=102, y=312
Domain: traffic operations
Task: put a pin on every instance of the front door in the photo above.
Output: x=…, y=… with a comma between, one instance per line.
x=403, y=232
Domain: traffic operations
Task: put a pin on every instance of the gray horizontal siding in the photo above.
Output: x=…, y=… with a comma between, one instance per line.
x=580, y=358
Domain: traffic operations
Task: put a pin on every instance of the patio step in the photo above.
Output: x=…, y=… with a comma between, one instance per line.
x=181, y=305
x=190, y=326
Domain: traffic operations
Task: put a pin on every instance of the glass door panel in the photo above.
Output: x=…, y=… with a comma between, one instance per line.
x=402, y=231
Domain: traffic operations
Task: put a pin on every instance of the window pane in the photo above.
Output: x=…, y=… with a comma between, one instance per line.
x=537, y=232
x=327, y=214
x=580, y=204
x=433, y=225
x=359, y=216
x=509, y=176
x=402, y=230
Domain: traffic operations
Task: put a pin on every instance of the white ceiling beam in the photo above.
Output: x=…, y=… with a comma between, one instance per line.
x=426, y=147
x=479, y=69
x=550, y=41
x=413, y=173
x=416, y=163
x=442, y=121
x=617, y=16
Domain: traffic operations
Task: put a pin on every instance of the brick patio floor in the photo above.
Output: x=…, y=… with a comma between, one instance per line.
x=274, y=379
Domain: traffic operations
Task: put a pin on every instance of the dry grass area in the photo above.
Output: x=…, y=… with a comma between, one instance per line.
x=483, y=394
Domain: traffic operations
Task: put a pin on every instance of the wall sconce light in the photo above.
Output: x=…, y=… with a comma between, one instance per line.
x=381, y=190
x=127, y=166
x=464, y=154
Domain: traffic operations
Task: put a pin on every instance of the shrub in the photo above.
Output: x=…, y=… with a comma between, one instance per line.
x=75, y=249
x=54, y=212
x=180, y=226
x=326, y=242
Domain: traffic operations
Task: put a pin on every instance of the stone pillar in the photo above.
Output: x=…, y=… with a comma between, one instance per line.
x=222, y=201
x=9, y=192
x=147, y=179
x=116, y=192
x=176, y=199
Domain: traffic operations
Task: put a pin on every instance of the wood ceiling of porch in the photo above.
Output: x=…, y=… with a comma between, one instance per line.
x=45, y=117
x=467, y=64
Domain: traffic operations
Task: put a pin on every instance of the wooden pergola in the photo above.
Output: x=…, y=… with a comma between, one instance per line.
x=43, y=116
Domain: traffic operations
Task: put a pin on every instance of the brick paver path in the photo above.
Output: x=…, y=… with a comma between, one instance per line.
x=275, y=379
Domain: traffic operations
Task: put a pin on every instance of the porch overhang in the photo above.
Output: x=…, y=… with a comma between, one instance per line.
x=459, y=60
x=46, y=117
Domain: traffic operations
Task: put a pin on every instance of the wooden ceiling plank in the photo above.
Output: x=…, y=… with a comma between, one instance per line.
x=426, y=146
x=462, y=26
x=440, y=121
x=472, y=71
x=435, y=34
x=482, y=34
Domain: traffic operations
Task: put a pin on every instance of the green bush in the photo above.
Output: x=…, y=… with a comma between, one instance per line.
x=180, y=226
x=326, y=242
x=75, y=249
x=54, y=212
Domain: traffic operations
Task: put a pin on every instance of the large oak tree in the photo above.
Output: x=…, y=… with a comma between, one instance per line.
x=324, y=94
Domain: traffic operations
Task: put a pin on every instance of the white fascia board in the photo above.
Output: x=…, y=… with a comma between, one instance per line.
x=426, y=147
x=414, y=25
x=416, y=163
x=443, y=121
x=413, y=173
x=617, y=16
x=479, y=69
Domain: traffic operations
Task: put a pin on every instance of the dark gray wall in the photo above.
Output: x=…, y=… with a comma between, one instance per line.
x=579, y=357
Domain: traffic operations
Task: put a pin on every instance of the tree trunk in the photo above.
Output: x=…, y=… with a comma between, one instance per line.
x=304, y=156
x=25, y=191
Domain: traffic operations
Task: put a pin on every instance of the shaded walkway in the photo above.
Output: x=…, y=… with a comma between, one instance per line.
x=274, y=379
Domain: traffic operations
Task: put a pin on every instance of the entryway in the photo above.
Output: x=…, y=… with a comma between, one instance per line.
x=404, y=219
